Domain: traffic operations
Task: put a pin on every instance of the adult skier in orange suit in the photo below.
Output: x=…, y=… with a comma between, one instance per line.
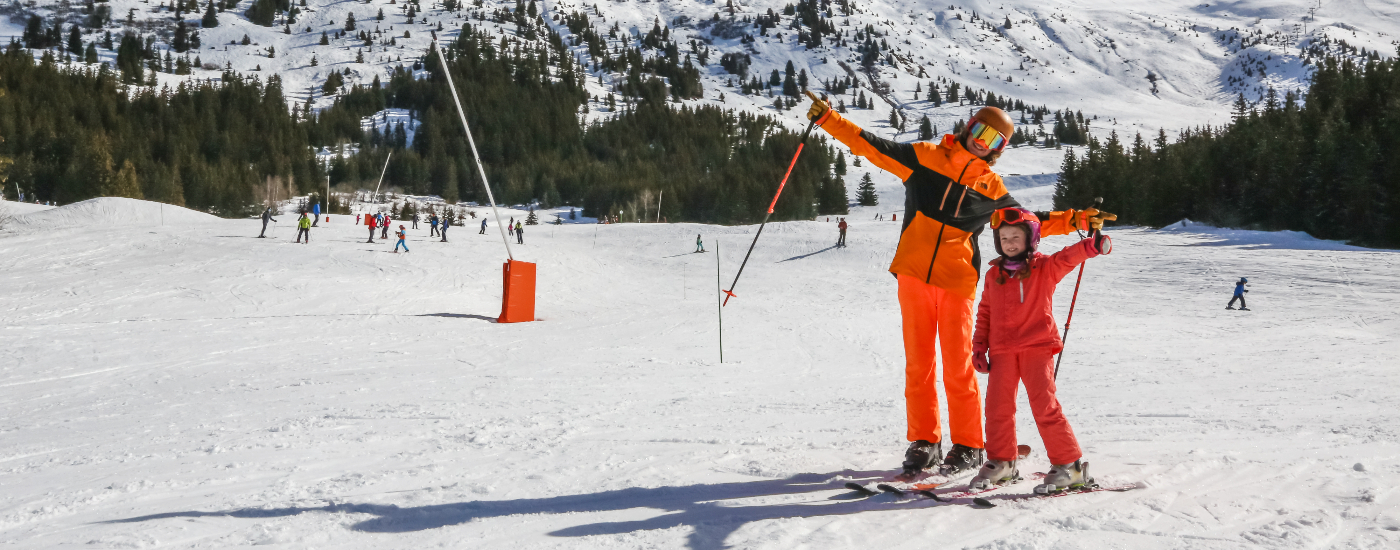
x=950, y=193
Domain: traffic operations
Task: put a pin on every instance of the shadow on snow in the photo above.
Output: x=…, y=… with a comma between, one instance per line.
x=700, y=507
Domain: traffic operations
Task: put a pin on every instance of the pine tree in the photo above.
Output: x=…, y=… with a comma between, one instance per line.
x=350, y=23
x=75, y=41
x=325, y=40
x=124, y=183
x=532, y=219
x=925, y=128
x=865, y=192
x=211, y=19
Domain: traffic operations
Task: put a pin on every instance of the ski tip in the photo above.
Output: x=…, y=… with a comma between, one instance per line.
x=890, y=489
x=932, y=495
x=860, y=488
x=979, y=501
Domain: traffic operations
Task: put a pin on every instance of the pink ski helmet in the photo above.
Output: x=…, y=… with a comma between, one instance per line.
x=1016, y=216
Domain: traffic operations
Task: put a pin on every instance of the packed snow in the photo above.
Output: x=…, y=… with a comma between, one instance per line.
x=185, y=384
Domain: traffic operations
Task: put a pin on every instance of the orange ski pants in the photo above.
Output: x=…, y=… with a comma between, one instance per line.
x=929, y=311
x=1035, y=367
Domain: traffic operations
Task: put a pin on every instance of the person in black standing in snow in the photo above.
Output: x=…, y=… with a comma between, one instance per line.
x=445, y=223
x=1239, y=295
x=483, y=227
x=266, y=216
x=841, y=242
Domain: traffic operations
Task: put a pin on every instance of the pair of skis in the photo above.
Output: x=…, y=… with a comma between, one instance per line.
x=927, y=489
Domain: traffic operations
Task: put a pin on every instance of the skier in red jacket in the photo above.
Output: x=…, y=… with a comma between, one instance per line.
x=841, y=242
x=369, y=222
x=1016, y=325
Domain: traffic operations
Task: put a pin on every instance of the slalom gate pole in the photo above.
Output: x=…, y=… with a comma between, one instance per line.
x=471, y=141
x=719, y=285
x=1097, y=202
x=800, y=144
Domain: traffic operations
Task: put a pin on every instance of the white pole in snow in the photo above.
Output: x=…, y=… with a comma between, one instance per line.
x=381, y=177
x=658, y=205
x=470, y=141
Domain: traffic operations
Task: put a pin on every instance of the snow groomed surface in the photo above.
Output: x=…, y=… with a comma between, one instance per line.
x=188, y=385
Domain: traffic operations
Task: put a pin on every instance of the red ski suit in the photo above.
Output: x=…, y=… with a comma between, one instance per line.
x=1016, y=325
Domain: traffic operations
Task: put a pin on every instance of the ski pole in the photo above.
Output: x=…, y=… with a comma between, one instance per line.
x=800, y=144
x=1097, y=202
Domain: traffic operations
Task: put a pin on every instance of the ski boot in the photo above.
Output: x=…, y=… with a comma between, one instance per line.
x=961, y=458
x=1244, y=309
x=1230, y=307
x=994, y=472
x=920, y=456
x=1066, y=476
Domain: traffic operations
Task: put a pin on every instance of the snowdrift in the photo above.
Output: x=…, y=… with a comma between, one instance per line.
x=20, y=208
x=1251, y=239
x=112, y=211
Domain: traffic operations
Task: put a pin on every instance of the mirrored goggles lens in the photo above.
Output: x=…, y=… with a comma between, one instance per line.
x=989, y=136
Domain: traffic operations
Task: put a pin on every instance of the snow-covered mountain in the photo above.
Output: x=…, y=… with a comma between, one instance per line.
x=1137, y=67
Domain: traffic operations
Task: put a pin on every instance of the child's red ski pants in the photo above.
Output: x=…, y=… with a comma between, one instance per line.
x=926, y=311
x=1036, y=368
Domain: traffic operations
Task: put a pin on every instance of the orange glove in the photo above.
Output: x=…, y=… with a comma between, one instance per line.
x=1091, y=219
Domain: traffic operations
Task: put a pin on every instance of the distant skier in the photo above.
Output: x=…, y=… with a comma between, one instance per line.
x=357, y=219
x=510, y=226
x=433, y=221
x=1016, y=326
x=304, y=228
x=384, y=233
x=445, y=222
x=841, y=242
x=483, y=227
x=401, y=236
x=519, y=234
x=316, y=216
x=415, y=220
x=369, y=222
x=699, y=244
x=1239, y=294
x=266, y=217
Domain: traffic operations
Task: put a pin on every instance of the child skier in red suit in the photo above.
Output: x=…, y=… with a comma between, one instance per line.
x=1016, y=325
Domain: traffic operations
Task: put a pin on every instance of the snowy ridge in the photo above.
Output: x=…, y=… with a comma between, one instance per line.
x=112, y=211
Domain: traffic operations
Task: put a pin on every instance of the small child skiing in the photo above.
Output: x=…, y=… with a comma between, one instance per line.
x=1239, y=295
x=304, y=228
x=699, y=244
x=1016, y=326
x=841, y=241
x=483, y=227
x=400, y=235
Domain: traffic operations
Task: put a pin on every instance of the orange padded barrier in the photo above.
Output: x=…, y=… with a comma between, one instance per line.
x=518, y=298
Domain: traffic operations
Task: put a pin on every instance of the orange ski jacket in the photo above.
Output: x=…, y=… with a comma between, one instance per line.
x=949, y=197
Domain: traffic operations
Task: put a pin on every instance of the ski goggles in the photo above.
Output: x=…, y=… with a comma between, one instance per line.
x=1012, y=216
x=988, y=136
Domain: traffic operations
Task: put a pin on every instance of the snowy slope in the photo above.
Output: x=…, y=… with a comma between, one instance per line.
x=186, y=385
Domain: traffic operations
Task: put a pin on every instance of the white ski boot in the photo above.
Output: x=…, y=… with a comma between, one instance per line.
x=994, y=472
x=1066, y=476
